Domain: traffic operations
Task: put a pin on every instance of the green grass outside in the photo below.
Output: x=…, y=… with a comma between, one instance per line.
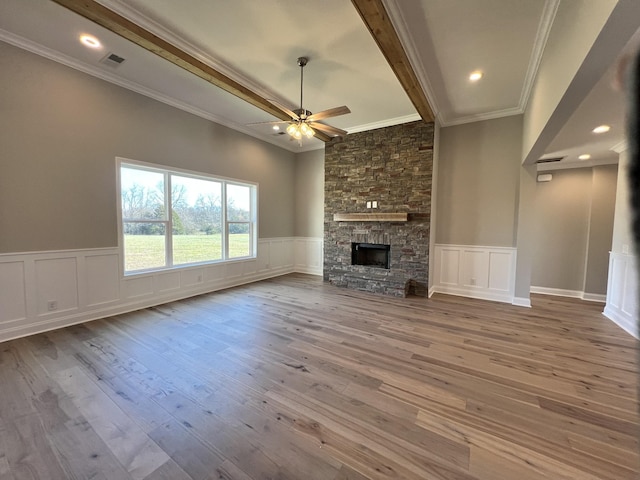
x=147, y=251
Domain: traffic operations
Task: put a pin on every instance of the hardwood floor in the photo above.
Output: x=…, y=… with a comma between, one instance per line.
x=294, y=379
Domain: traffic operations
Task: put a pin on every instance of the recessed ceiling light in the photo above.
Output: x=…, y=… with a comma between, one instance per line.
x=602, y=129
x=584, y=156
x=276, y=127
x=89, y=41
x=475, y=76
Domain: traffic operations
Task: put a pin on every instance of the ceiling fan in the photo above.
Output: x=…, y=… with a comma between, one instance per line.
x=303, y=123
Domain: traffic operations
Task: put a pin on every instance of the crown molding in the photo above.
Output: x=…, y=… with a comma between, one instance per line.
x=58, y=57
x=478, y=117
x=542, y=35
x=385, y=123
x=402, y=30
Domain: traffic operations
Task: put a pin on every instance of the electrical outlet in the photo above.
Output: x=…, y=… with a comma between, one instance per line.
x=52, y=305
x=368, y=204
x=199, y=278
x=374, y=204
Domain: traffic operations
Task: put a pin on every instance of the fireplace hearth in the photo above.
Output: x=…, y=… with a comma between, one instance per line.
x=370, y=254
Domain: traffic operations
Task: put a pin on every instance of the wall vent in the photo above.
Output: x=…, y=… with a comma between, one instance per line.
x=113, y=60
x=549, y=160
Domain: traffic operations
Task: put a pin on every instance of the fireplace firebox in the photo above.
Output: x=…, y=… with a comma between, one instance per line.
x=370, y=254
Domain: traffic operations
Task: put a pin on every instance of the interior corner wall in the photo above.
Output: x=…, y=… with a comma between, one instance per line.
x=60, y=132
x=477, y=185
x=309, y=194
x=525, y=243
x=603, y=198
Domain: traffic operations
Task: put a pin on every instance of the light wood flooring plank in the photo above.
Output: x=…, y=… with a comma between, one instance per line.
x=294, y=379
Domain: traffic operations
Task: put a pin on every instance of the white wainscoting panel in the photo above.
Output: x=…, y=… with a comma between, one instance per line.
x=56, y=280
x=87, y=284
x=102, y=279
x=12, y=292
x=622, y=292
x=448, y=259
x=309, y=255
x=475, y=271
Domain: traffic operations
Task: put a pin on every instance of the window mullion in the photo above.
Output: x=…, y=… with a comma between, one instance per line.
x=169, y=220
x=223, y=216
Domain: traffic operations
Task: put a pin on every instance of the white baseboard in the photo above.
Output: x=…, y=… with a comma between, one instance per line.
x=594, y=297
x=559, y=292
x=86, y=284
x=480, y=294
x=627, y=323
x=521, y=302
x=432, y=290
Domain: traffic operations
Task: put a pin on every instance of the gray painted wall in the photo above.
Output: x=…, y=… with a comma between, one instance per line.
x=603, y=200
x=309, y=191
x=478, y=178
x=561, y=229
x=60, y=131
x=573, y=229
x=524, y=233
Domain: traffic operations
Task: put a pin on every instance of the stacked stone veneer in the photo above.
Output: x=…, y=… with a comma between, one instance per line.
x=393, y=166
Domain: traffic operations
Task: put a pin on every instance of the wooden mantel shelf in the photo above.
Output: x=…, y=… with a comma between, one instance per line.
x=370, y=217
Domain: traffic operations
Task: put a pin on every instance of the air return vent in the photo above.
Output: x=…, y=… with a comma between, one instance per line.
x=113, y=60
x=549, y=160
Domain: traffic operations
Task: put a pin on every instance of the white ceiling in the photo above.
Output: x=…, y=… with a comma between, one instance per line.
x=258, y=46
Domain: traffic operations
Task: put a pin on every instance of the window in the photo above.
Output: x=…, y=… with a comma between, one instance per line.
x=173, y=218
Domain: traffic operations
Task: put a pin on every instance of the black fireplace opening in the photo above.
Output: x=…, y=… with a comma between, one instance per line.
x=370, y=254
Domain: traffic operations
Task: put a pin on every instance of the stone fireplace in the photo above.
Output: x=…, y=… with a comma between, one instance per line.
x=391, y=166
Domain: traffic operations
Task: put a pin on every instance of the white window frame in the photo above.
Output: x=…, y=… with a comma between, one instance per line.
x=168, y=221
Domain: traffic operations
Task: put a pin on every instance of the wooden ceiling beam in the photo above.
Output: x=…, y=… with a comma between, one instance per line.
x=125, y=28
x=375, y=17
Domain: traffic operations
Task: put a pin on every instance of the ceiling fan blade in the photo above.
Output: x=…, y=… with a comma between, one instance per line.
x=291, y=113
x=321, y=135
x=332, y=112
x=328, y=129
x=275, y=122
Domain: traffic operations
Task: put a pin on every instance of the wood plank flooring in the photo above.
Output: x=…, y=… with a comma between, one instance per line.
x=291, y=378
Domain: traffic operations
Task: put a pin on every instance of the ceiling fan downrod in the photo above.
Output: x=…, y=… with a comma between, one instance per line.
x=302, y=61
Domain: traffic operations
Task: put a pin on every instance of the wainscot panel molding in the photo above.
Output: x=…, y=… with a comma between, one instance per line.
x=308, y=255
x=475, y=271
x=622, y=290
x=42, y=291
